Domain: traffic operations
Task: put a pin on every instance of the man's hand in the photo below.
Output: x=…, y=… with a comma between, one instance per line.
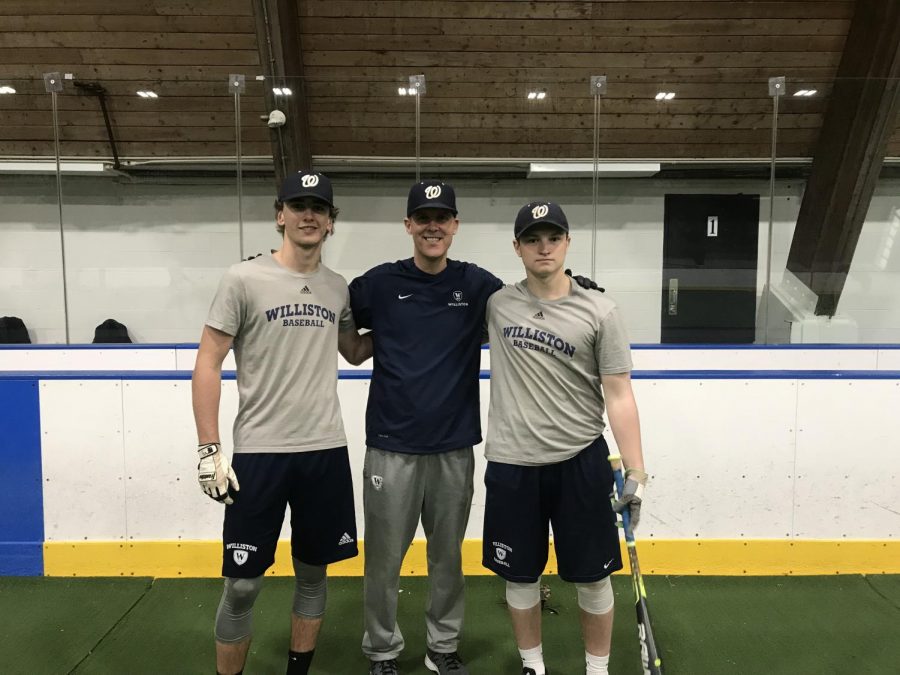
x=635, y=480
x=585, y=282
x=215, y=474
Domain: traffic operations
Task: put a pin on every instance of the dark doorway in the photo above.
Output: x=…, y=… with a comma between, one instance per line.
x=709, y=268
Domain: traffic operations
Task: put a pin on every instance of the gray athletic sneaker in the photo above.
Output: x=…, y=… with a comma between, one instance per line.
x=445, y=663
x=388, y=667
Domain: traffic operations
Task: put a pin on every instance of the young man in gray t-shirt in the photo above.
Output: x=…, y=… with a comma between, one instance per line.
x=559, y=356
x=287, y=316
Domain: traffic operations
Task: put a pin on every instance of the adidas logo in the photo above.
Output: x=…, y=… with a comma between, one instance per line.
x=539, y=315
x=346, y=539
x=305, y=290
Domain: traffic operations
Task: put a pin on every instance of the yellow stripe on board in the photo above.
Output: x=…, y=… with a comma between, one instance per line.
x=729, y=557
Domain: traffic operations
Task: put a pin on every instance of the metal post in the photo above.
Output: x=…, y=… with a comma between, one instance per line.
x=598, y=88
x=53, y=85
x=237, y=86
x=776, y=91
x=417, y=85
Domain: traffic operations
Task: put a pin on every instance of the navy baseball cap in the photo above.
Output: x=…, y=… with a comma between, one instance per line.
x=537, y=213
x=306, y=184
x=431, y=194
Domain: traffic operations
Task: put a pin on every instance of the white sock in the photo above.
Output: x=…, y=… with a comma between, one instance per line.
x=596, y=665
x=534, y=659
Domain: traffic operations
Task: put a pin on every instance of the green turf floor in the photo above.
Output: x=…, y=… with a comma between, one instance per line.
x=705, y=626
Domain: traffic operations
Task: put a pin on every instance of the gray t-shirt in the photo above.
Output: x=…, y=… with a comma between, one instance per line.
x=546, y=360
x=285, y=327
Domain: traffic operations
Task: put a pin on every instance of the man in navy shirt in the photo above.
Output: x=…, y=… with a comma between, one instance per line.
x=423, y=417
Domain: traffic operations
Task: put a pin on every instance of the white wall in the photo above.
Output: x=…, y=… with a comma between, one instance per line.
x=735, y=458
x=150, y=254
x=776, y=457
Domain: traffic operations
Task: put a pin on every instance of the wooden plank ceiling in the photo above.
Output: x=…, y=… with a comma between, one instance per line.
x=480, y=59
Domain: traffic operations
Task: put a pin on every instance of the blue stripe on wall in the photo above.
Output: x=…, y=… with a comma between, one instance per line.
x=21, y=496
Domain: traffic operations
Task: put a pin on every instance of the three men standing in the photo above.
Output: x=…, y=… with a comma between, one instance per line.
x=559, y=354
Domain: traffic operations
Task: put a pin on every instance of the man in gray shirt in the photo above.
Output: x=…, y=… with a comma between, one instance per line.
x=559, y=355
x=287, y=316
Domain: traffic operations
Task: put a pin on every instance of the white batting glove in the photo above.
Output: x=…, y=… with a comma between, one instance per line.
x=215, y=474
x=635, y=480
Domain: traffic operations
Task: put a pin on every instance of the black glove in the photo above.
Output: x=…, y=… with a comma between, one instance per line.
x=585, y=282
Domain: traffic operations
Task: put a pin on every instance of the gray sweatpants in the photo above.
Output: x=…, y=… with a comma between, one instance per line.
x=398, y=488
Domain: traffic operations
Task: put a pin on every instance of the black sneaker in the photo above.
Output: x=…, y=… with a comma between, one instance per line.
x=445, y=663
x=530, y=671
x=388, y=667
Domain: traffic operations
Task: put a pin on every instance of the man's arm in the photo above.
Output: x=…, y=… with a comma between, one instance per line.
x=355, y=348
x=626, y=427
x=623, y=418
x=206, y=383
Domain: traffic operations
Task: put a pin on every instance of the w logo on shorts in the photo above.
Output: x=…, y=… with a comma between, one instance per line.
x=240, y=557
x=501, y=554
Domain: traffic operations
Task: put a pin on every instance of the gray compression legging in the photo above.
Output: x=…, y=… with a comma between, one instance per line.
x=234, y=618
x=310, y=590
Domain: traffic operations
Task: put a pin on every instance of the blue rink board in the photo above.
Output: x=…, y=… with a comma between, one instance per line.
x=21, y=497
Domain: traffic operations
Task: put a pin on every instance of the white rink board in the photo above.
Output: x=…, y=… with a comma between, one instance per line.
x=848, y=465
x=645, y=358
x=82, y=460
x=721, y=453
x=164, y=500
x=87, y=359
x=757, y=358
x=186, y=357
x=889, y=359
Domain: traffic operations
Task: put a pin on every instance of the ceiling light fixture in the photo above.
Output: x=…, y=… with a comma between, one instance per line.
x=584, y=169
x=806, y=92
x=49, y=167
x=281, y=91
x=538, y=95
x=665, y=96
x=7, y=90
x=146, y=93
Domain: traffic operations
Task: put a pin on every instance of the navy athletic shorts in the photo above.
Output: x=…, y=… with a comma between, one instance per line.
x=574, y=496
x=319, y=488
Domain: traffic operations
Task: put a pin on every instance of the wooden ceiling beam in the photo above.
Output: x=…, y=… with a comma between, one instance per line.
x=281, y=56
x=858, y=123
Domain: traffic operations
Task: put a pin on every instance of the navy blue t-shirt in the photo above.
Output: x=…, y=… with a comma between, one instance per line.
x=427, y=339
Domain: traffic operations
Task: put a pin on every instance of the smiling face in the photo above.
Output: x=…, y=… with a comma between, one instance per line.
x=432, y=231
x=542, y=249
x=306, y=222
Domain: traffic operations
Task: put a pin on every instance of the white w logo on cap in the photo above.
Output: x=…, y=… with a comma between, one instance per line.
x=309, y=180
x=540, y=211
x=433, y=191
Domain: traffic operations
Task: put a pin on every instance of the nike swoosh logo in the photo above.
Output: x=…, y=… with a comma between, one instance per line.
x=606, y=566
x=404, y=297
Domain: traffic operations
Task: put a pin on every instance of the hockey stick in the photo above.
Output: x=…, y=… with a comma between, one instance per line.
x=650, y=661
